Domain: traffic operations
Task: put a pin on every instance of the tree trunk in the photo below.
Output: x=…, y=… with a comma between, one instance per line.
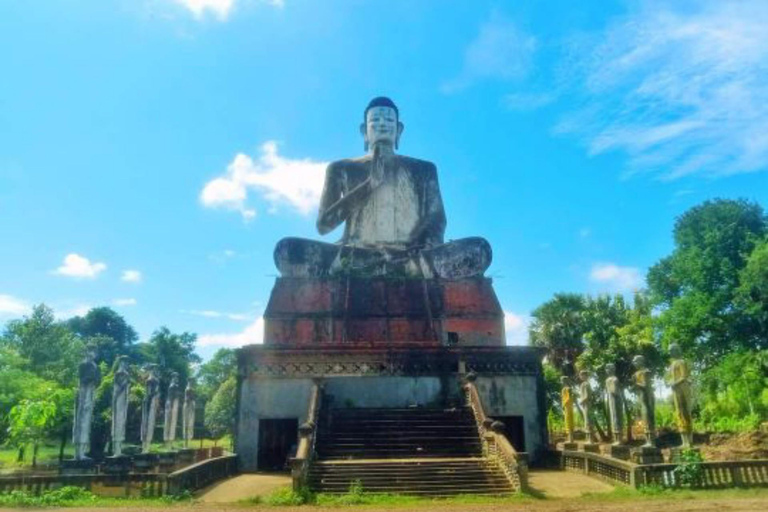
x=34, y=456
x=20, y=457
x=628, y=419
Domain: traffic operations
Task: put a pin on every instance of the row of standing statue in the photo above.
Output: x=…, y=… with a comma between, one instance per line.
x=89, y=379
x=642, y=384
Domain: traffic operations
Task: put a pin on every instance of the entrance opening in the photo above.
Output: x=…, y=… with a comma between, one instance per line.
x=277, y=443
x=514, y=431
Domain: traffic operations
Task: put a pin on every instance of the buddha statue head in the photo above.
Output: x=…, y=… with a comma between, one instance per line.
x=381, y=124
x=675, y=352
x=610, y=370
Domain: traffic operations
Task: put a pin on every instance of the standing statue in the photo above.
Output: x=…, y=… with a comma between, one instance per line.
x=585, y=397
x=90, y=377
x=614, y=396
x=567, y=400
x=149, y=409
x=171, y=411
x=643, y=383
x=680, y=374
x=188, y=414
x=393, y=214
x=121, y=387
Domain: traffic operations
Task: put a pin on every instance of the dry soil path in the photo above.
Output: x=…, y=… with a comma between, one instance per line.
x=561, y=484
x=242, y=487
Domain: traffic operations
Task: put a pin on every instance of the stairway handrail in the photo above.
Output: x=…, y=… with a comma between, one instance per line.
x=496, y=446
x=305, y=451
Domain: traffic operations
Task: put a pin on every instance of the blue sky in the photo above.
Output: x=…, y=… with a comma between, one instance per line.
x=152, y=152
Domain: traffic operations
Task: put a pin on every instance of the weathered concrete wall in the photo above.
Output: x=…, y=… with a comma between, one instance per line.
x=516, y=395
x=392, y=391
x=267, y=398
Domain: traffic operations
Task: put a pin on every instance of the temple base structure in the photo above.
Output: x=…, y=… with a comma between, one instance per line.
x=378, y=345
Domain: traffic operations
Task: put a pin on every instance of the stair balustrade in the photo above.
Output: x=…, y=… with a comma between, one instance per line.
x=305, y=451
x=496, y=447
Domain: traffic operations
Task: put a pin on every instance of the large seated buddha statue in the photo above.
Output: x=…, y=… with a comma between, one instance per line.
x=393, y=215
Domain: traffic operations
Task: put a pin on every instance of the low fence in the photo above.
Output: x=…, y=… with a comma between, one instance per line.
x=712, y=475
x=130, y=485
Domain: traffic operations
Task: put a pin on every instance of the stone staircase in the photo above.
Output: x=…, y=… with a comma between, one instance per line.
x=422, y=451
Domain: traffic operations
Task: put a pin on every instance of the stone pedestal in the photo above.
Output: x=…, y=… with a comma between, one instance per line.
x=646, y=455
x=186, y=456
x=119, y=465
x=568, y=447
x=589, y=447
x=167, y=461
x=78, y=467
x=145, y=462
x=617, y=451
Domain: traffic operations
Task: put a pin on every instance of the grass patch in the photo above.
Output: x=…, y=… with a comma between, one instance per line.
x=79, y=497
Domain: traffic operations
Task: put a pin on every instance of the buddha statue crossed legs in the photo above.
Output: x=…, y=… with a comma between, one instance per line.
x=393, y=215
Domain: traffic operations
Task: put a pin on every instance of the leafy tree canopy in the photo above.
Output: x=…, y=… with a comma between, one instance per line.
x=106, y=329
x=559, y=326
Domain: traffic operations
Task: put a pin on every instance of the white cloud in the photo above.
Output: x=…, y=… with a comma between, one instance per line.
x=617, y=278
x=210, y=313
x=79, y=266
x=254, y=333
x=66, y=313
x=500, y=51
x=279, y=181
x=131, y=276
x=682, y=91
x=124, y=302
x=219, y=8
x=13, y=307
x=516, y=327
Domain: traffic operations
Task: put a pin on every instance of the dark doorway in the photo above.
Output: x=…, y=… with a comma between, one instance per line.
x=277, y=442
x=514, y=430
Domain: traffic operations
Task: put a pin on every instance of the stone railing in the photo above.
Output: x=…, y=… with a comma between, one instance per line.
x=202, y=474
x=307, y=438
x=720, y=474
x=132, y=485
x=496, y=447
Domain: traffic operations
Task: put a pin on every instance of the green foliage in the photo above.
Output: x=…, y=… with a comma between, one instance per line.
x=220, y=410
x=752, y=294
x=215, y=372
x=559, y=326
x=696, y=286
x=288, y=497
x=48, y=348
x=689, y=472
x=665, y=414
x=29, y=421
x=171, y=352
x=53, y=498
x=734, y=391
x=105, y=329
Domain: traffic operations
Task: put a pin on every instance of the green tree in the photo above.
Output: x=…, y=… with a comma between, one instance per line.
x=212, y=374
x=49, y=348
x=107, y=330
x=695, y=287
x=559, y=327
x=30, y=421
x=220, y=410
x=752, y=295
x=171, y=352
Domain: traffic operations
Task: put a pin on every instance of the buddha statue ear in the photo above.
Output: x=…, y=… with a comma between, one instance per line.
x=364, y=133
x=400, y=128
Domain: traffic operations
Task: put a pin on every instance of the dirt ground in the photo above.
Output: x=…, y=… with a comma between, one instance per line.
x=749, y=445
x=562, y=505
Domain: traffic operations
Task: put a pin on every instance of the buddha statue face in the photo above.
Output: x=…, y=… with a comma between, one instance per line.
x=610, y=370
x=381, y=127
x=674, y=351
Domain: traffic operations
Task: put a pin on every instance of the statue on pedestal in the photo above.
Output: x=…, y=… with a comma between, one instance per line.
x=679, y=374
x=188, y=414
x=171, y=411
x=149, y=409
x=585, y=397
x=121, y=388
x=90, y=377
x=393, y=214
x=643, y=383
x=567, y=401
x=614, y=396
